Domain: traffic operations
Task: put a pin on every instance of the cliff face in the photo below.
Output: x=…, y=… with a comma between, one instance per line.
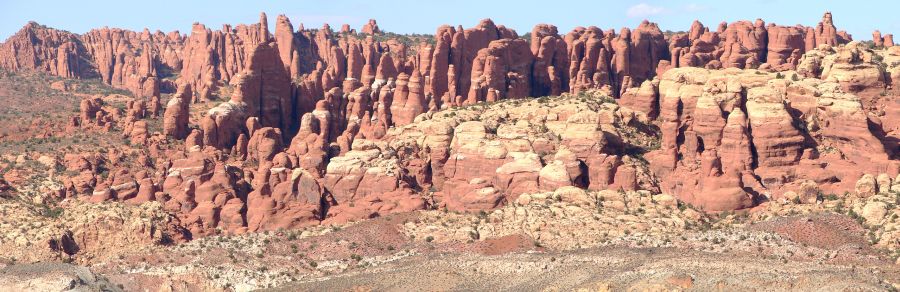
x=327, y=127
x=121, y=58
x=40, y=48
x=584, y=58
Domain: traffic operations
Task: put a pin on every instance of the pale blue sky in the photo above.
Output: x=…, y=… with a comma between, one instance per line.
x=424, y=16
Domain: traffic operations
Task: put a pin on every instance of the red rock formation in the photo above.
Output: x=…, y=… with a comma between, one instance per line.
x=198, y=68
x=852, y=66
x=698, y=52
x=712, y=162
x=644, y=99
x=826, y=33
x=124, y=59
x=264, y=144
x=723, y=191
x=371, y=28
x=877, y=39
x=267, y=88
x=589, y=51
x=463, y=47
x=36, y=47
x=751, y=35
x=785, y=45
x=550, y=61
x=262, y=90
x=725, y=136
x=880, y=41
x=177, y=115
x=500, y=71
x=777, y=141
x=292, y=203
x=648, y=47
x=139, y=133
x=735, y=150
x=116, y=53
x=441, y=62
x=287, y=45
x=154, y=107
x=214, y=57
x=89, y=108
x=208, y=59
x=399, y=98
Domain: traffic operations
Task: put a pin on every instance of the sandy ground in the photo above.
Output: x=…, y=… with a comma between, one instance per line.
x=617, y=269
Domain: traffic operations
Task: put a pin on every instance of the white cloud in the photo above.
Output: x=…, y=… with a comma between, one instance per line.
x=694, y=7
x=644, y=10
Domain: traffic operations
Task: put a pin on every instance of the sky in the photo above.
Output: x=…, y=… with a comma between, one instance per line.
x=859, y=18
